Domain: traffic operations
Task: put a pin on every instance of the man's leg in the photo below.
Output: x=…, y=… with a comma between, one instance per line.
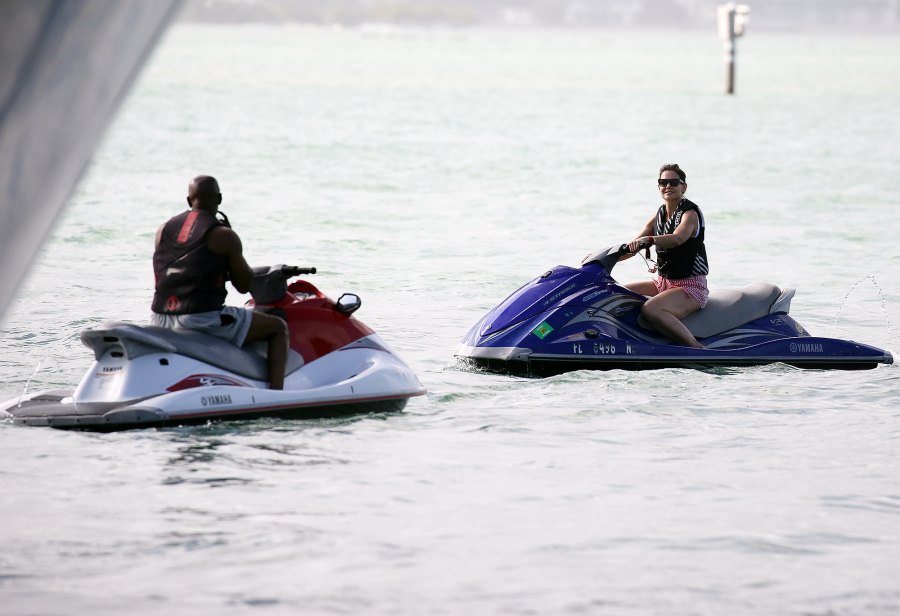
x=274, y=331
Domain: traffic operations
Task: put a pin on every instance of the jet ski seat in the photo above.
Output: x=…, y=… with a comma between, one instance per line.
x=729, y=308
x=136, y=340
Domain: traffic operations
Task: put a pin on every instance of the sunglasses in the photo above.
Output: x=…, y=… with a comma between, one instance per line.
x=666, y=182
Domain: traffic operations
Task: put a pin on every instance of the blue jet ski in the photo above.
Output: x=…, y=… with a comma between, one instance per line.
x=581, y=318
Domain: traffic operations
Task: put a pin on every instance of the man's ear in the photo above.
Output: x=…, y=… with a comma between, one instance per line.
x=219, y=199
x=188, y=199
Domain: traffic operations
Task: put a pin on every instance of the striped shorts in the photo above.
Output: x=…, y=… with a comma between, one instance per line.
x=695, y=287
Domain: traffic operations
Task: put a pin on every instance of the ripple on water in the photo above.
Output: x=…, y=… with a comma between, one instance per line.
x=887, y=504
x=763, y=490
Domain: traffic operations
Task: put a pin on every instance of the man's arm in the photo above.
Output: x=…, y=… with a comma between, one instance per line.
x=224, y=241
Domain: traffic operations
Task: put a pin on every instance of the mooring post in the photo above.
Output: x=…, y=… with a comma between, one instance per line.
x=732, y=21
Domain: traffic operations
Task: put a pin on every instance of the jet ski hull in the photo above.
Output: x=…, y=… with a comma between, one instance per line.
x=804, y=352
x=56, y=410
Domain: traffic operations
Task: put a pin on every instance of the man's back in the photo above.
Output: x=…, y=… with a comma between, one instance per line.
x=190, y=277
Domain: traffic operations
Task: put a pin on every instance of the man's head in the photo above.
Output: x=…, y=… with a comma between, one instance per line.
x=203, y=193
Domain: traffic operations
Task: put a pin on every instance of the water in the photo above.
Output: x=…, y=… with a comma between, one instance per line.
x=433, y=172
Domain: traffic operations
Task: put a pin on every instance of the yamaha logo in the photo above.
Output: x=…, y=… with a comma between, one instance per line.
x=801, y=347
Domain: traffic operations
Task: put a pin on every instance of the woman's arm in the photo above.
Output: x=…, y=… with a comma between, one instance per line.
x=685, y=230
x=644, y=238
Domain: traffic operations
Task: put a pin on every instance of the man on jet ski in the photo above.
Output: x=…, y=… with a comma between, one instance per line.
x=677, y=230
x=195, y=254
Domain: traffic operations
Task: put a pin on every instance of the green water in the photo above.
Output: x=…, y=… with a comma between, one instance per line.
x=433, y=172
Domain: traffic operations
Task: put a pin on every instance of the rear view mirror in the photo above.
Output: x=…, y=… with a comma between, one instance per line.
x=348, y=303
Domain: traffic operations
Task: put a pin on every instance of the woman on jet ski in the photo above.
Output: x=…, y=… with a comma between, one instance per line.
x=679, y=288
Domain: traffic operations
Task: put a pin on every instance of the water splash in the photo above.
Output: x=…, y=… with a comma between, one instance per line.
x=887, y=318
x=38, y=368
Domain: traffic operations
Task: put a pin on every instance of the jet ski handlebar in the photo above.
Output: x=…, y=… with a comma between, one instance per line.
x=286, y=271
x=607, y=257
x=270, y=281
x=290, y=271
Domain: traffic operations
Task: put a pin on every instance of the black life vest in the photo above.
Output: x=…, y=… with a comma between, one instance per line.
x=688, y=259
x=190, y=277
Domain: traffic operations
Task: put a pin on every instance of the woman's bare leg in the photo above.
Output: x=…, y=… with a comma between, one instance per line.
x=665, y=312
x=644, y=287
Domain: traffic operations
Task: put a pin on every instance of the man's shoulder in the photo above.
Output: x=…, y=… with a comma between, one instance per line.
x=223, y=240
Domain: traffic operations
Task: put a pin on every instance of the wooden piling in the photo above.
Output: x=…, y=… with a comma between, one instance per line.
x=732, y=20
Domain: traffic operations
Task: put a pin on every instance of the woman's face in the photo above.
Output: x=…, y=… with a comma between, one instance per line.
x=671, y=187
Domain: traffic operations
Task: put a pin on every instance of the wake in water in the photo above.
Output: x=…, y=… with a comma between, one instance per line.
x=887, y=318
x=40, y=365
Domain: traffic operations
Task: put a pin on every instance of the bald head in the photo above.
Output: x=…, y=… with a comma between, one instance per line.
x=203, y=193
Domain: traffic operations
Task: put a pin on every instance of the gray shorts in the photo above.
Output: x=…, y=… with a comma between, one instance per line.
x=231, y=323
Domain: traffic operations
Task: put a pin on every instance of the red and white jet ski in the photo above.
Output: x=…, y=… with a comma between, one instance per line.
x=145, y=376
